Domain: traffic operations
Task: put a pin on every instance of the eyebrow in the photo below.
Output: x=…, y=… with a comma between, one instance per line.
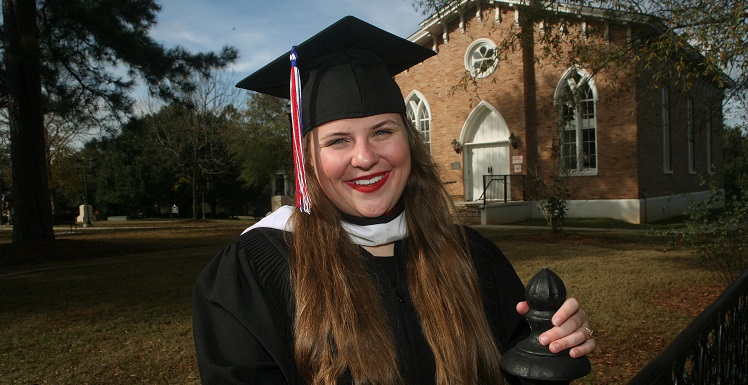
x=384, y=123
x=332, y=135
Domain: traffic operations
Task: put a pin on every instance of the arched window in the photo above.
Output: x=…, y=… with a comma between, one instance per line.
x=576, y=95
x=419, y=112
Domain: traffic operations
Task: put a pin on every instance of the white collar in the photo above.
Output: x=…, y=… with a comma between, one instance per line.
x=362, y=235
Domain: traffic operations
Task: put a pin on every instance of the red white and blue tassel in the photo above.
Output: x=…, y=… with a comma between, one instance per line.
x=303, y=201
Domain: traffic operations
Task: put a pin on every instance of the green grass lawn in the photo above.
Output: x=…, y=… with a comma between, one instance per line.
x=123, y=317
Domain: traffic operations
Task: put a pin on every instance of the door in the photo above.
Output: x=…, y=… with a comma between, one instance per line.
x=486, y=151
x=487, y=159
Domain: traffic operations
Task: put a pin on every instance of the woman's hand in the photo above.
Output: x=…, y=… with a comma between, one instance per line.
x=570, y=329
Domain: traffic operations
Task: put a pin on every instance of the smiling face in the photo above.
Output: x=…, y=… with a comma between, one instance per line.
x=362, y=164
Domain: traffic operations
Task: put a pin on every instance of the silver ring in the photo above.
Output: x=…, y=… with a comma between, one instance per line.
x=590, y=331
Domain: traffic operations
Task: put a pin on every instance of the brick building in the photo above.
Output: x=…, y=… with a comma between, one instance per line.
x=635, y=149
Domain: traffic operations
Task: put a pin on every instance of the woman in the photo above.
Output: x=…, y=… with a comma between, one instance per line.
x=375, y=285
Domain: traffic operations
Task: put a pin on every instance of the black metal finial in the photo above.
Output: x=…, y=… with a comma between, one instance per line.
x=532, y=362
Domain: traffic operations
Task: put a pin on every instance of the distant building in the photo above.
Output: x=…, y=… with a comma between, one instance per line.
x=637, y=153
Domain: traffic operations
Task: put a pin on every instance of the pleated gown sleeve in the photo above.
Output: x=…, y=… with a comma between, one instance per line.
x=501, y=289
x=241, y=322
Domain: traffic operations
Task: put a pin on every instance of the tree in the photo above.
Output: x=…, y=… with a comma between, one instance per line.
x=134, y=174
x=229, y=196
x=195, y=130
x=65, y=182
x=262, y=139
x=716, y=227
x=736, y=162
x=552, y=192
x=4, y=165
x=60, y=57
x=32, y=219
x=716, y=231
x=718, y=32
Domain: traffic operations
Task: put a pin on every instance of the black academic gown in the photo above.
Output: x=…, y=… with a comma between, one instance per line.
x=242, y=315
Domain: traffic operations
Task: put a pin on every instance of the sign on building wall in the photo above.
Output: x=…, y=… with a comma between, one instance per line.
x=517, y=161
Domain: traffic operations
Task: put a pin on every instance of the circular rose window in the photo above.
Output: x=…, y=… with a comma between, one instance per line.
x=480, y=58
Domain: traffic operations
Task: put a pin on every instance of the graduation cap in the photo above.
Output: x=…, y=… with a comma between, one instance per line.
x=344, y=71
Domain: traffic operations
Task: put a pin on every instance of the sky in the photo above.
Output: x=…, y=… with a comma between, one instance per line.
x=262, y=30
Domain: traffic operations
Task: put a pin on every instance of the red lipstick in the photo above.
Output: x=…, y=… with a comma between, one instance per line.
x=369, y=183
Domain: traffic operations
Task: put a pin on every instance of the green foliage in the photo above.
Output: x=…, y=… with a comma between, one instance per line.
x=262, y=141
x=196, y=132
x=551, y=194
x=133, y=174
x=718, y=33
x=554, y=207
x=736, y=161
x=552, y=191
x=715, y=228
x=428, y=7
x=190, y=154
x=83, y=42
x=66, y=184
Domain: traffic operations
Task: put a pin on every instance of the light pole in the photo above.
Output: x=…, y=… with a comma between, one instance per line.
x=86, y=213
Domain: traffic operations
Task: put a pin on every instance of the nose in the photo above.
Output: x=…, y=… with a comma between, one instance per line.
x=364, y=156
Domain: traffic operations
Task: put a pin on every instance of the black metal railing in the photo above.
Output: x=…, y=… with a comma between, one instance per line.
x=713, y=349
x=496, y=187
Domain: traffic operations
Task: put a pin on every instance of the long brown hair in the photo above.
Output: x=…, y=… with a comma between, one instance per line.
x=339, y=320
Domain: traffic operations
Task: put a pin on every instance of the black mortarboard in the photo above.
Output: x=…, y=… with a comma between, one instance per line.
x=346, y=72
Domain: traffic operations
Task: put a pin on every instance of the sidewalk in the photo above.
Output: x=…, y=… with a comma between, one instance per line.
x=570, y=229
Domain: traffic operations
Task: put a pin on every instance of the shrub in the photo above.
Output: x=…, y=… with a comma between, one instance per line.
x=715, y=229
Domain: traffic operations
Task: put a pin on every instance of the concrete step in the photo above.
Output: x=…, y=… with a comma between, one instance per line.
x=467, y=215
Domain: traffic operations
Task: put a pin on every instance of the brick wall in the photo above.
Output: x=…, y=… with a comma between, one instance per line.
x=680, y=180
x=628, y=114
x=439, y=80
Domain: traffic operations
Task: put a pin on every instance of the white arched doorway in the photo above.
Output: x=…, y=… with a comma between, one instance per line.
x=485, y=139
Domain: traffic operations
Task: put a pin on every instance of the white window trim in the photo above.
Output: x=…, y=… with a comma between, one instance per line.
x=581, y=170
x=561, y=88
x=415, y=105
x=690, y=139
x=468, y=60
x=667, y=167
x=709, y=141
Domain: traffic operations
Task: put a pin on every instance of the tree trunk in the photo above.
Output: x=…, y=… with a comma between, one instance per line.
x=195, y=213
x=527, y=39
x=32, y=210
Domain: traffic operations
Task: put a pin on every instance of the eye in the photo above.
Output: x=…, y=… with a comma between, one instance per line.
x=382, y=132
x=335, y=142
